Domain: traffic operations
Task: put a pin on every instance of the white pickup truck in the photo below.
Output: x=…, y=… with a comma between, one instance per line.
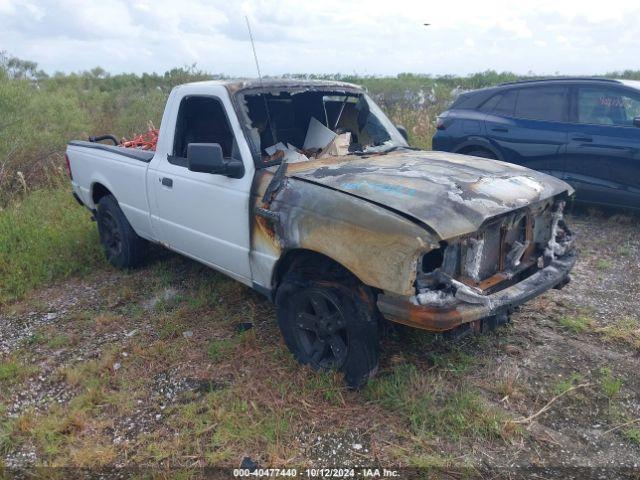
x=306, y=192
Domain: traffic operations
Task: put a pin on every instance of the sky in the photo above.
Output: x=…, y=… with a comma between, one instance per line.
x=569, y=37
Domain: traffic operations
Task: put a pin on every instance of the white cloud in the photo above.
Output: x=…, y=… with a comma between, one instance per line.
x=367, y=37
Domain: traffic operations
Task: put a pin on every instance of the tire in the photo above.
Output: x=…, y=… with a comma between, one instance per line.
x=329, y=325
x=122, y=246
x=481, y=154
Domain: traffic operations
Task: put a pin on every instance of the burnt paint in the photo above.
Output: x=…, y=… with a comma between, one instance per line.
x=378, y=246
x=448, y=192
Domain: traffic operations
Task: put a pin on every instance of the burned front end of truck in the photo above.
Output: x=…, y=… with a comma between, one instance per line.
x=473, y=282
x=440, y=241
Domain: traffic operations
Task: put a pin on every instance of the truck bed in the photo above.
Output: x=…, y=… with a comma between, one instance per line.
x=137, y=154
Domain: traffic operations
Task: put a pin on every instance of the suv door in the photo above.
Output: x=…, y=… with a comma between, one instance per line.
x=204, y=215
x=529, y=126
x=603, y=154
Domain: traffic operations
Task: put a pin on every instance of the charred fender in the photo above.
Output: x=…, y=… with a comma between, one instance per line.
x=378, y=246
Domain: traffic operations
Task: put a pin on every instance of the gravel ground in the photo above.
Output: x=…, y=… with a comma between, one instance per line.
x=533, y=355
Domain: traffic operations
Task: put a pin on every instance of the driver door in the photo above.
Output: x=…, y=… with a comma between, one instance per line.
x=204, y=215
x=603, y=153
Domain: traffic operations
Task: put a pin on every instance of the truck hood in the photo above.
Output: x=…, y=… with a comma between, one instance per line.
x=452, y=194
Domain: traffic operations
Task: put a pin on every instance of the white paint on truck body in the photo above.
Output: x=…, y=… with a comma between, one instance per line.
x=202, y=216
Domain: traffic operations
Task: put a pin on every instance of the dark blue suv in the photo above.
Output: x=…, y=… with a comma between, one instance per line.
x=585, y=131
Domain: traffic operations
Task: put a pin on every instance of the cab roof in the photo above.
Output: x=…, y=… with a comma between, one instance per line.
x=236, y=85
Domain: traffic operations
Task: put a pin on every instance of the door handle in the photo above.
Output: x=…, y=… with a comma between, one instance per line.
x=500, y=129
x=167, y=182
x=582, y=139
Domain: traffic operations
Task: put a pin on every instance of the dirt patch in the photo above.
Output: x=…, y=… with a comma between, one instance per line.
x=348, y=448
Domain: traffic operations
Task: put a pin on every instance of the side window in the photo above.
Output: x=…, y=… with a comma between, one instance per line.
x=202, y=120
x=490, y=104
x=506, y=103
x=542, y=103
x=606, y=106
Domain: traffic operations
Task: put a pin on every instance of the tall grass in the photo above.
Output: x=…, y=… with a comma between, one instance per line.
x=39, y=113
x=44, y=237
x=34, y=127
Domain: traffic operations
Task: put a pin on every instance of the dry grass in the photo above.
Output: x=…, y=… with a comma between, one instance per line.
x=507, y=383
x=626, y=331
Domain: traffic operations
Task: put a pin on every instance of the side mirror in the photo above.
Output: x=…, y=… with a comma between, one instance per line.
x=208, y=158
x=403, y=132
x=636, y=122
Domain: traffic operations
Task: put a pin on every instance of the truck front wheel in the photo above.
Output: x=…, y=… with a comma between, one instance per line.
x=122, y=246
x=328, y=325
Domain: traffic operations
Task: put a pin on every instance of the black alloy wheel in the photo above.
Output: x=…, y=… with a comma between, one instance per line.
x=330, y=325
x=320, y=329
x=111, y=237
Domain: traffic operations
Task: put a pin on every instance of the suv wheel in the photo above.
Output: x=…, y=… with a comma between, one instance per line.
x=329, y=326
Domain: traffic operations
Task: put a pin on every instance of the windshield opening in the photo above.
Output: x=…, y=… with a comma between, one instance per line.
x=299, y=125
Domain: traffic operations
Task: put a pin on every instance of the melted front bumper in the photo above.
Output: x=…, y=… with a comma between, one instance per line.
x=439, y=319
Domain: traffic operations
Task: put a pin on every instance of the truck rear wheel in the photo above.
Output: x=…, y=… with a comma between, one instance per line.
x=122, y=246
x=329, y=326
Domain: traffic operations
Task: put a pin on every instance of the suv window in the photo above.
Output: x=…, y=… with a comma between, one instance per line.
x=506, y=103
x=607, y=106
x=490, y=104
x=542, y=103
x=202, y=120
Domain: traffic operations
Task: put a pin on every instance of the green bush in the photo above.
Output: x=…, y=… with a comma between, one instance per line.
x=35, y=127
x=137, y=112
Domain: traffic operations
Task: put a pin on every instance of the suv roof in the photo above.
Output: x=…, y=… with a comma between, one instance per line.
x=563, y=79
x=472, y=99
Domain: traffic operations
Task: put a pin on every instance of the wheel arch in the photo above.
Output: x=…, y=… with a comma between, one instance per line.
x=99, y=190
x=478, y=144
x=380, y=247
x=306, y=260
